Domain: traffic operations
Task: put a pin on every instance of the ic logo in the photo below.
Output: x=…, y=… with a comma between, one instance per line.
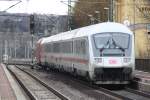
x=112, y=61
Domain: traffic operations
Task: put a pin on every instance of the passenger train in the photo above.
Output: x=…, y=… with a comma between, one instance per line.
x=102, y=53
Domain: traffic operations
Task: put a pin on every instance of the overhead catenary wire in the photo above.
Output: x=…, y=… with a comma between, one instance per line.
x=12, y=6
x=82, y=12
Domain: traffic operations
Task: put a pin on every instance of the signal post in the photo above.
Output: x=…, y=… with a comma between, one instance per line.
x=32, y=30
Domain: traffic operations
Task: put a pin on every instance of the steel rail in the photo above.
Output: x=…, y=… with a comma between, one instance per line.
x=61, y=96
x=138, y=92
x=31, y=96
x=108, y=92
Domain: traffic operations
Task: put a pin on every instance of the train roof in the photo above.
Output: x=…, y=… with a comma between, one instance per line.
x=89, y=30
x=40, y=40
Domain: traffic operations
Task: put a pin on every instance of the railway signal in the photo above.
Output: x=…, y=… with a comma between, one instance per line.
x=32, y=31
x=32, y=24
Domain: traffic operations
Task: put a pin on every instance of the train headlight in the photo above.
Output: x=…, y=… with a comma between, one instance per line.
x=126, y=60
x=98, y=60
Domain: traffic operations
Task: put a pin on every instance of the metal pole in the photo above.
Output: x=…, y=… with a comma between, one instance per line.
x=97, y=16
x=5, y=47
x=134, y=17
x=107, y=11
x=6, y=53
x=25, y=52
x=32, y=26
x=69, y=15
x=108, y=14
x=32, y=51
x=28, y=55
x=1, y=50
x=15, y=48
x=111, y=10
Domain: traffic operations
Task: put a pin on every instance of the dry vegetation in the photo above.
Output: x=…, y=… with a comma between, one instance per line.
x=83, y=8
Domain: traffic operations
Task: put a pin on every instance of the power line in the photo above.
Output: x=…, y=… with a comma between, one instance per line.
x=12, y=6
x=82, y=12
x=9, y=0
x=86, y=2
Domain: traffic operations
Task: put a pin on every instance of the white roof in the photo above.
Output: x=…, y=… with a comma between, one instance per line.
x=89, y=30
x=40, y=40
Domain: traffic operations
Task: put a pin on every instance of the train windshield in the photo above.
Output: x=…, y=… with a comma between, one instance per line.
x=112, y=41
x=112, y=44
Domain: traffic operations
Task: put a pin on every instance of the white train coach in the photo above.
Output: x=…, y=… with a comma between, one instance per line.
x=102, y=53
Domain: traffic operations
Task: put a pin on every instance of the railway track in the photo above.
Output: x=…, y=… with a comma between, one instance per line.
x=124, y=94
x=143, y=87
x=35, y=88
x=145, y=94
x=99, y=95
x=132, y=95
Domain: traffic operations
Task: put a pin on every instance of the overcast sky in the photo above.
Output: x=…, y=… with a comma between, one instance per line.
x=35, y=6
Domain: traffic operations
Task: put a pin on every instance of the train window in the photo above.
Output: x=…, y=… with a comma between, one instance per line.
x=44, y=47
x=63, y=46
x=83, y=45
x=121, y=40
x=49, y=47
x=112, y=44
x=56, y=47
x=66, y=47
x=101, y=40
x=80, y=47
x=111, y=40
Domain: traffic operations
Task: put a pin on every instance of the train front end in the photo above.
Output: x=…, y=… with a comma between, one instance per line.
x=113, y=56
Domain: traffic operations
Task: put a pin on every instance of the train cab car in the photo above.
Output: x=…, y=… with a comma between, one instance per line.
x=102, y=53
x=113, y=55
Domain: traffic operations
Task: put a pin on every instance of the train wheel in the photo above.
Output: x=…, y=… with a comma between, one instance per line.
x=62, y=68
x=89, y=79
x=44, y=67
x=87, y=76
x=74, y=72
